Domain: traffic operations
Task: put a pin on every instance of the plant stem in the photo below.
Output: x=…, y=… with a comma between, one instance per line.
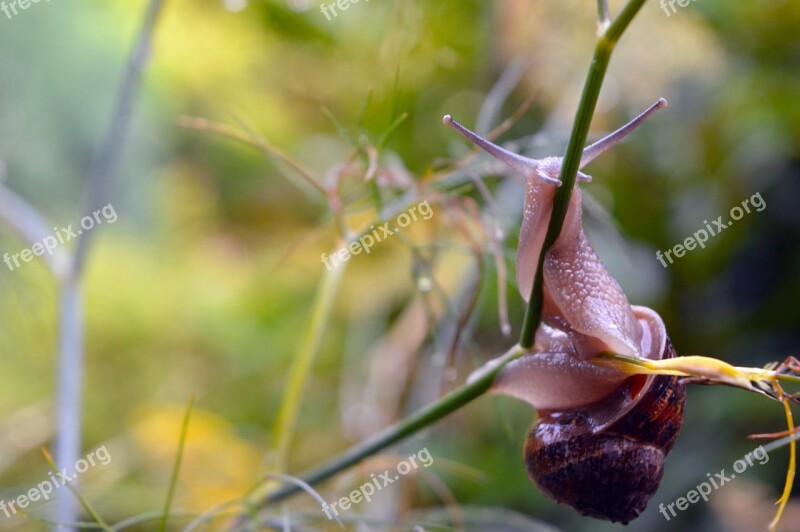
x=71, y=343
x=303, y=362
x=176, y=468
x=70, y=387
x=606, y=41
x=105, y=164
x=448, y=404
x=603, y=17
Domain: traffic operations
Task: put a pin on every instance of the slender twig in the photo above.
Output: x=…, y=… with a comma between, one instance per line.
x=176, y=468
x=494, y=233
x=212, y=513
x=448, y=404
x=106, y=161
x=790, y=471
x=471, y=298
x=606, y=41
x=499, y=93
x=603, y=16
x=307, y=175
x=98, y=185
x=308, y=489
x=389, y=132
x=23, y=219
x=147, y=517
x=90, y=511
x=783, y=442
x=70, y=385
x=302, y=364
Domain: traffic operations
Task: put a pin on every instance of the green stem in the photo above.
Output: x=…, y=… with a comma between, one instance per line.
x=606, y=41
x=176, y=469
x=603, y=16
x=303, y=361
x=477, y=386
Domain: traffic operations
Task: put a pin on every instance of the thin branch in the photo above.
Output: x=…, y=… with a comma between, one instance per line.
x=783, y=442
x=70, y=385
x=572, y=159
x=101, y=174
x=302, y=363
x=106, y=162
x=24, y=220
x=288, y=479
x=603, y=16
x=87, y=507
x=176, y=468
x=201, y=124
x=499, y=93
x=494, y=236
x=477, y=386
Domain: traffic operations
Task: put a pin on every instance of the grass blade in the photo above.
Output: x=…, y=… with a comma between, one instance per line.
x=84, y=503
x=301, y=366
x=177, y=468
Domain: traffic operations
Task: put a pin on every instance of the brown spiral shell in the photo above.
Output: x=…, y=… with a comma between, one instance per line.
x=606, y=460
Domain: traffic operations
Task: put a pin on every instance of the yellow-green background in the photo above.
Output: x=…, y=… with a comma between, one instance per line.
x=205, y=283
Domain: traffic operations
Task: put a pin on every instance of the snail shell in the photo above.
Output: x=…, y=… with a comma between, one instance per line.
x=606, y=460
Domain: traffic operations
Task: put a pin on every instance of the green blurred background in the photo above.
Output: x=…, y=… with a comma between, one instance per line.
x=206, y=282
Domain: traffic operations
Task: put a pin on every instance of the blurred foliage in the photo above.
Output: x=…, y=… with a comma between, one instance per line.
x=205, y=283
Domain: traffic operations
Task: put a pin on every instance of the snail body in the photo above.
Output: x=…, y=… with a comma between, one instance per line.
x=601, y=436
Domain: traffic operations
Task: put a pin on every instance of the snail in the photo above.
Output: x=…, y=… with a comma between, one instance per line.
x=601, y=436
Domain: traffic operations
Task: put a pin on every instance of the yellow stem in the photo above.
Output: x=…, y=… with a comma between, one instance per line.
x=787, y=489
